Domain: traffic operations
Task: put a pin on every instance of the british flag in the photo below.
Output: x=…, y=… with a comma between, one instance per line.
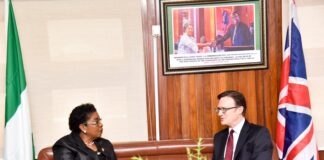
x=295, y=132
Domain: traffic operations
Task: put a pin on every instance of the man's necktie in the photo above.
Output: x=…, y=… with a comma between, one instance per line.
x=229, y=146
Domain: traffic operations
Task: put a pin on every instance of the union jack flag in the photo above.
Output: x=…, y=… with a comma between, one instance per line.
x=295, y=132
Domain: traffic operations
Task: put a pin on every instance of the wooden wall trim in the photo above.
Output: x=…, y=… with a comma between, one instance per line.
x=149, y=19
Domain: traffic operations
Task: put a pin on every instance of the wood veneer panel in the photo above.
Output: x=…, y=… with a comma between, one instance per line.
x=187, y=101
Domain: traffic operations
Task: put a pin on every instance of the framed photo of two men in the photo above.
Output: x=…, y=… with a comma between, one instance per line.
x=212, y=36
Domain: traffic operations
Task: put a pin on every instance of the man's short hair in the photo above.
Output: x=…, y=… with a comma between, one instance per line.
x=238, y=98
x=236, y=15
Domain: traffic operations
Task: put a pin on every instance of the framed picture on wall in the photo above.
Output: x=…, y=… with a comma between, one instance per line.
x=213, y=36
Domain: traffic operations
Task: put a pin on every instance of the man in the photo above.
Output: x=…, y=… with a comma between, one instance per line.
x=241, y=140
x=187, y=43
x=238, y=32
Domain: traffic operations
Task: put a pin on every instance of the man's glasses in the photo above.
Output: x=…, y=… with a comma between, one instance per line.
x=224, y=110
x=95, y=122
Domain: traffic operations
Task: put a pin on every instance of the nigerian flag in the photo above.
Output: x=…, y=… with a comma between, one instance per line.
x=18, y=134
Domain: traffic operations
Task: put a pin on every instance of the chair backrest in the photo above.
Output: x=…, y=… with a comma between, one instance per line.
x=46, y=154
x=173, y=149
x=152, y=150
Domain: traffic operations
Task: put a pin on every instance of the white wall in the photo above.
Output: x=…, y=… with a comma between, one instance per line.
x=79, y=51
x=311, y=22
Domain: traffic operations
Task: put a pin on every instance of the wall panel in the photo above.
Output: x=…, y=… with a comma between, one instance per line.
x=186, y=102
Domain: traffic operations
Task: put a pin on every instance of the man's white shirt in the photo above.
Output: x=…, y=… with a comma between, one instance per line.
x=237, y=130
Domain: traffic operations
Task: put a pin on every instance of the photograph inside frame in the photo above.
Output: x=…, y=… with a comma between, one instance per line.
x=214, y=35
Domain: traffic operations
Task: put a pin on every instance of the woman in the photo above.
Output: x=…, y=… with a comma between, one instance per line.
x=84, y=142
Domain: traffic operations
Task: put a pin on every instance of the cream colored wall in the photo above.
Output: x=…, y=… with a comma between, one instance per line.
x=79, y=51
x=311, y=22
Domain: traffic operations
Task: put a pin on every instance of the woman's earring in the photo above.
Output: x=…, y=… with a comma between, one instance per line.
x=84, y=131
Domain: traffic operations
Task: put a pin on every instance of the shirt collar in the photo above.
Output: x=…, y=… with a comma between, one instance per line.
x=238, y=127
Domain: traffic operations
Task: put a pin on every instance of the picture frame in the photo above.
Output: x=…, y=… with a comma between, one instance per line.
x=201, y=36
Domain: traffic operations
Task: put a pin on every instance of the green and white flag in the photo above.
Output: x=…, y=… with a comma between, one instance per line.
x=18, y=134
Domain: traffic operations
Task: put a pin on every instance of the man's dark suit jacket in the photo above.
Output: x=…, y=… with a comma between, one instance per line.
x=71, y=147
x=242, y=35
x=254, y=143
